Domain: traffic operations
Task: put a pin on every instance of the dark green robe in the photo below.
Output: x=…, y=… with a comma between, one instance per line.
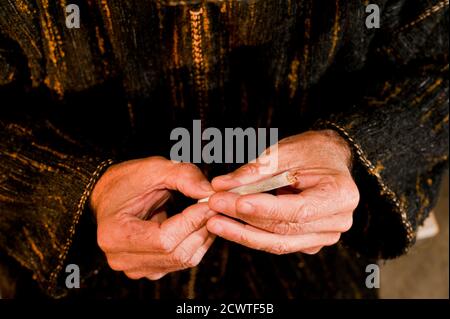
x=74, y=100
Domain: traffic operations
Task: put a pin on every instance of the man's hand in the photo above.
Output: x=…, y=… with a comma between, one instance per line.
x=305, y=217
x=133, y=229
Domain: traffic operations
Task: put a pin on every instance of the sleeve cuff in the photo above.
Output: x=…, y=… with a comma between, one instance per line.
x=381, y=226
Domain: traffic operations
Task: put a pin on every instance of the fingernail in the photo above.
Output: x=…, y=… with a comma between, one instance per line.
x=246, y=207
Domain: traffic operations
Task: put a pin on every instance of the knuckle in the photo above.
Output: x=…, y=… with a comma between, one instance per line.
x=115, y=264
x=243, y=238
x=190, y=223
x=281, y=228
x=187, y=169
x=104, y=241
x=134, y=275
x=298, y=229
x=249, y=169
x=182, y=258
x=273, y=211
x=306, y=212
x=154, y=277
x=312, y=251
x=195, y=261
x=166, y=243
x=354, y=196
x=280, y=248
x=286, y=228
x=328, y=184
x=192, y=262
x=160, y=159
x=334, y=238
x=347, y=224
x=350, y=194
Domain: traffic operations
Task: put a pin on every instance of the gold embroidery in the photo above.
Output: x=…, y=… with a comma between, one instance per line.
x=54, y=46
x=79, y=210
x=293, y=78
x=335, y=33
x=307, y=43
x=131, y=114
x=54, y=241
x=440, y=125
x=100, y=40
x=107, y=12
x=59, y=155
x=33, y=245
x=385, y=190
x=427, y=13
x=200, y=62
x=424, y=201
x=23, y=7
x=28, y=161
x=429, y=90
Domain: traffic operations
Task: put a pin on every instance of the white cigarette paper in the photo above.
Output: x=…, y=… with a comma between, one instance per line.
x=275, y=182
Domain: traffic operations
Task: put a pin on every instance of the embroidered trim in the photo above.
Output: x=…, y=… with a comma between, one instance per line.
x=427, y=13
x=76, y=218
x=385, y=190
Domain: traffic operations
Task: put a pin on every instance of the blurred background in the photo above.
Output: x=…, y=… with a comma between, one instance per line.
x=423, y=272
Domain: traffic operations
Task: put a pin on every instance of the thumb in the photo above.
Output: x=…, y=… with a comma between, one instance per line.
x=189, y=180
x=265, y=166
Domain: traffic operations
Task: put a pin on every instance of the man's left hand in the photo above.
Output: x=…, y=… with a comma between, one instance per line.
x=304, y=217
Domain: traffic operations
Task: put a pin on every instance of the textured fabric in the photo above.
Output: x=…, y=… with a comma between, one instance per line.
x=73, y=98
x=46, y=181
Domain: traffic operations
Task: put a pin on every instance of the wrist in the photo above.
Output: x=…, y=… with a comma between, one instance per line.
x=98, y=190
x=342, y=147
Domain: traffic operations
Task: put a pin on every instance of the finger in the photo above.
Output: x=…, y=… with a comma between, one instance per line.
x=140, y=275
x=158, y=262
x=193, y=262
x=308, y=178
x=177, y=228
x=254, y=238
x=280, y=157
x=262, y=207
x=159, y=217
x=130, y=234
x=312, y=251
x=188, y=179
x=187, y=255
x=201, y=252
x=323, y=200
x=335, y=223
x=127, y=233
x=246, y=174
x=182, y=257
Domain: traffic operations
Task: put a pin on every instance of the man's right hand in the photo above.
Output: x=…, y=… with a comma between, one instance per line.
x=128, y=194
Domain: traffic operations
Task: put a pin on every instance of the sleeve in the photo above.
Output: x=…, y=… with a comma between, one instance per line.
x=46, y=173
x=45, y=184
x=398, y=127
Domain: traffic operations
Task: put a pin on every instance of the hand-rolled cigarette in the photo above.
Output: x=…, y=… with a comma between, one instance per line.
x=275, y=182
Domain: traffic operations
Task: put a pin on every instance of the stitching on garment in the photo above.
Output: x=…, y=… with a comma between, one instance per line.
x=76, y=218
x=426, y=14
x=385, y=190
